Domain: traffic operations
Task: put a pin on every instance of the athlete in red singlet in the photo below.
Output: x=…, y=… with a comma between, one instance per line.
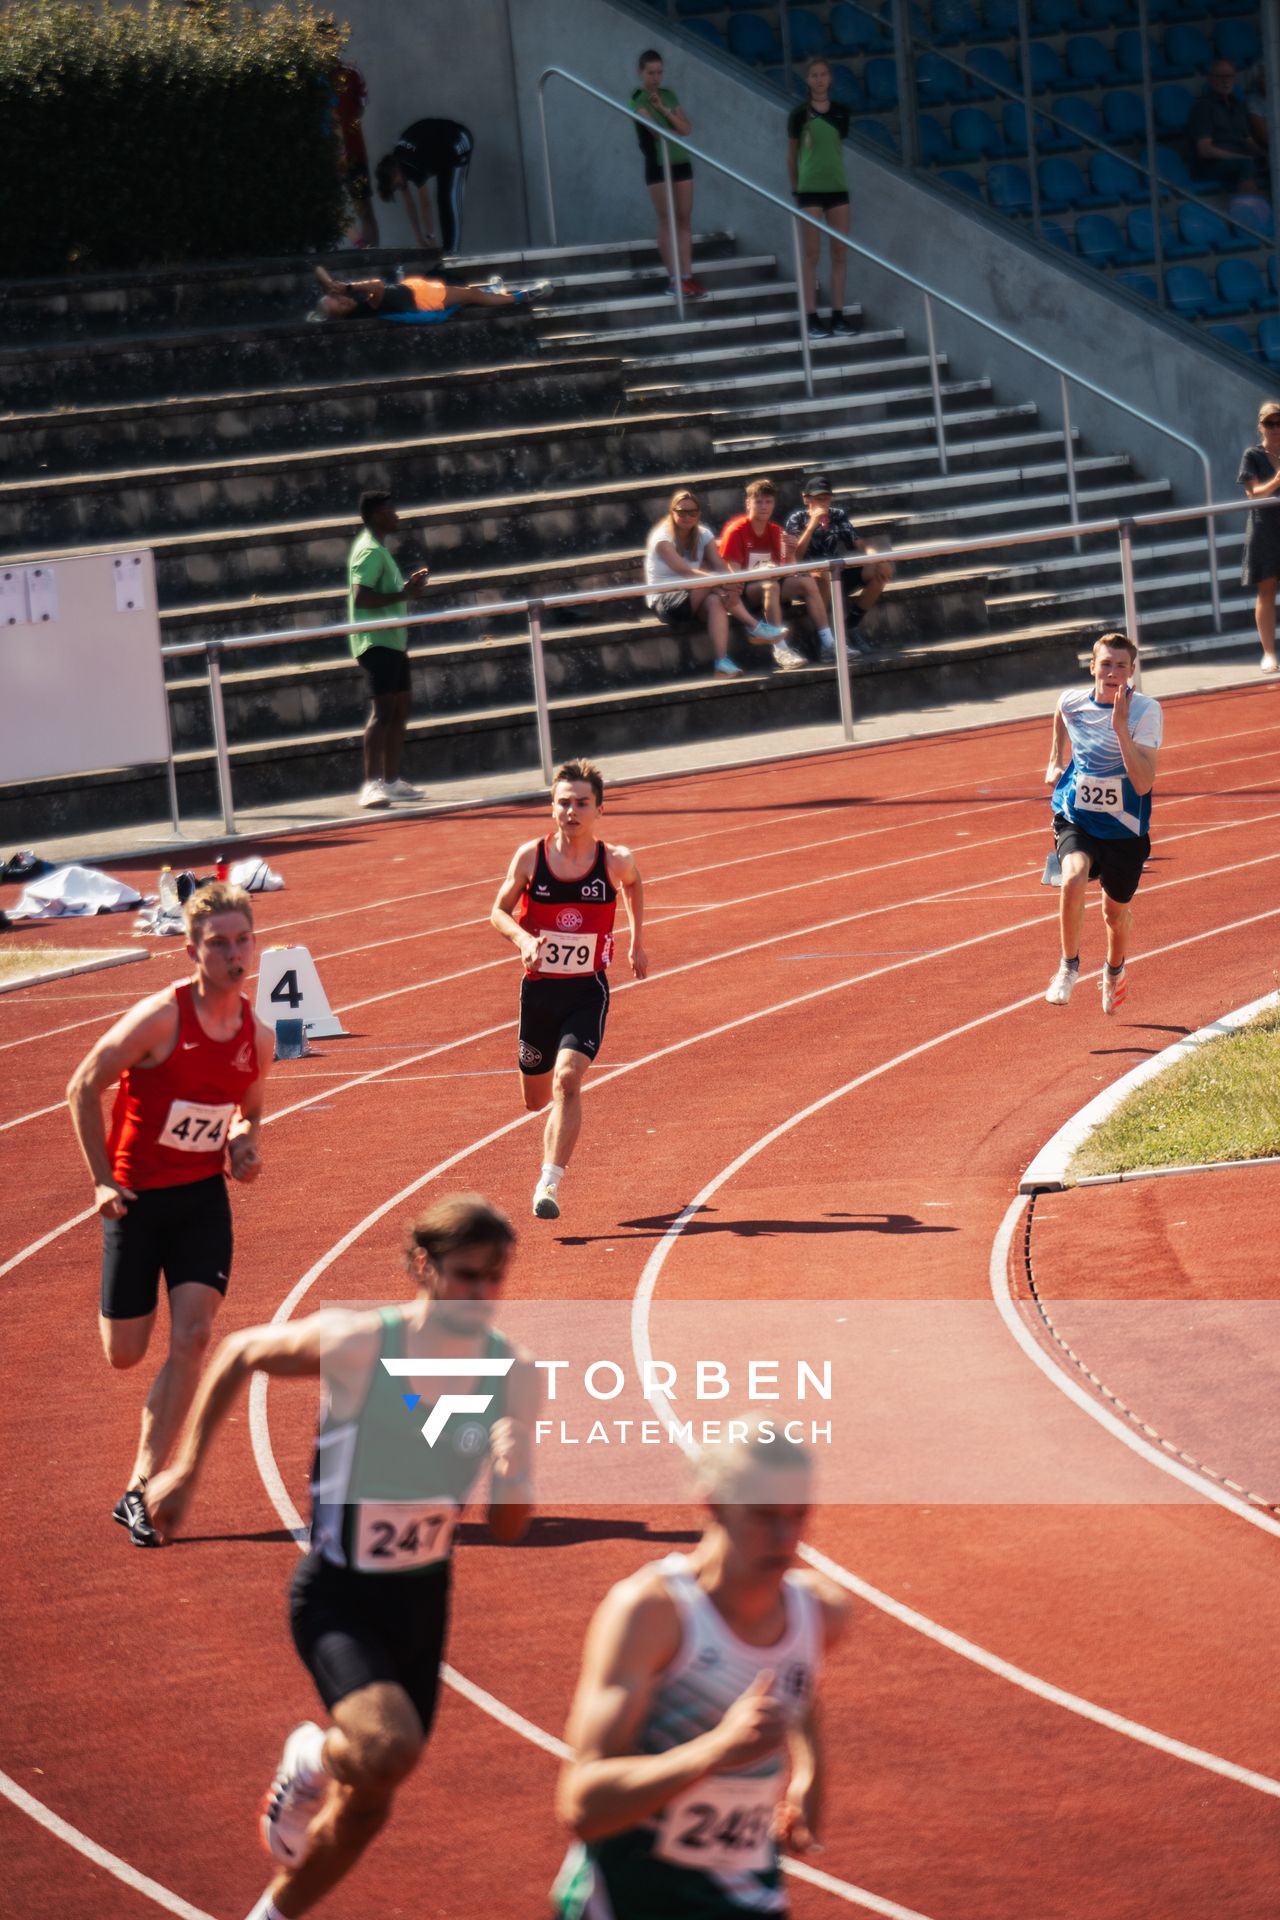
x=191, y=1062
x=556, y=906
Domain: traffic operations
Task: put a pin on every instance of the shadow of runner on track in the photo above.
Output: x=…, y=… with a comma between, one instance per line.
x=551, y=1530
x=659, y=1223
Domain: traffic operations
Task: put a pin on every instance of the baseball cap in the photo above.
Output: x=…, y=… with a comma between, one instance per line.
x=817, y=483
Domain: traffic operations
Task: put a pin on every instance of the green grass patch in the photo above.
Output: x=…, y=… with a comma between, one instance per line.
x=15, y=961
x=1221, y=1103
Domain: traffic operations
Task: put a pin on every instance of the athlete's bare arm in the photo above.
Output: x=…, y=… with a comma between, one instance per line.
x=1060, y=751
x=519, y=875
x=625, y=876
x=799, y=1817
x=608, y=1786
x=511, y=1455
x=143, y=1037
x=243, y=1159
x=1139, y=762
x=344, y=1343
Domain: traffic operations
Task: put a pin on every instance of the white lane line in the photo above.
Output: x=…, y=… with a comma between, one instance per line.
x=120, y=1869
x=54, y=1233
x=39, y=1113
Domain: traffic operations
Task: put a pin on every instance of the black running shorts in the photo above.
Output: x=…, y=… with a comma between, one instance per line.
x=560, y=1014
x=354, y=1630
x=654, y=176
x=1117, y=863
x=386, y=669
x=183, y=1232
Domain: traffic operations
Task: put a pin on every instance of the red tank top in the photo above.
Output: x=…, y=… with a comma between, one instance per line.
x=576, y=916
x=169, y=1123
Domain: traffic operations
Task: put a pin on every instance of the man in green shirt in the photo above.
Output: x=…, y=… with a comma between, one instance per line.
x=375, y=585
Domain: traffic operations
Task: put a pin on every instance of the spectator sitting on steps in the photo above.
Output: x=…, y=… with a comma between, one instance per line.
x=1220, y=142
x=413, y=298
x=820, y=530
x=754, y=539
x=681, y=550
x=375, y=585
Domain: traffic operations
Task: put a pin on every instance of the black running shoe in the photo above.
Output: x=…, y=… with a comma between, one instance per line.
x=131, y=1511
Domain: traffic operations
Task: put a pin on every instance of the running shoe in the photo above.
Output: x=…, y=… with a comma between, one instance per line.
x=1268, y=666
x=818, y=328
x=374, y=794
x=727, y=667
x=131, y=1511
x=839, y=325
x=762, y=630
x=530, y=295
x=692, y=289
x=1062, y=985
x=401, y=790
x=292, y=1801
x=787, y=657
x=1115, y=988
x=545, y=1204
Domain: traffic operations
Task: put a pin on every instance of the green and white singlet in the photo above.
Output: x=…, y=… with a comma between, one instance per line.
x=380, y=1502
x=709, y=1854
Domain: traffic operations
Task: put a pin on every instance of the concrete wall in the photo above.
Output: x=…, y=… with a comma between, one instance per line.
x=496, y=52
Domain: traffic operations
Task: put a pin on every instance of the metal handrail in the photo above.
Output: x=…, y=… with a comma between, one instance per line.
x=928, y=295
x=1125, y=527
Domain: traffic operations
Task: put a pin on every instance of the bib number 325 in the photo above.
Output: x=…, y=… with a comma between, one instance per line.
x=1100, y=792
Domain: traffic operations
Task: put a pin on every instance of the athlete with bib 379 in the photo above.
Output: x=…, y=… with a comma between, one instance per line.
x=557, y=906
x=1102, y=767
x=191, y=1062
x=694, y=1725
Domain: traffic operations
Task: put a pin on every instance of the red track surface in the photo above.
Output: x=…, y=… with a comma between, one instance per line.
x=882, y=902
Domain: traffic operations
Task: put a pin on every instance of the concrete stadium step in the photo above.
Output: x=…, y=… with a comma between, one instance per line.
x=751, y=298
x=844, y=415
x=99, y=304
x=221, y=493
x=744, y=332
x=521, y=393
x=775, y=373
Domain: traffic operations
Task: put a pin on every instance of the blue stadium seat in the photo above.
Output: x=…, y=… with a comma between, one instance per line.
x=956, y=22
x=1053, y=16
x=1273, y=272
x=698, y=6
x=1127, y=52
x=853, y=31
x=1228, y=334
x=1186, y=50
x=846, y=87
x=939, y=82
x=1009, y=188
x=1100, y=240
x=744, y=6
x=1172, y=168
x=708, y=31
x=880, y=78
x=1208, y=232
x=808, y=35
x=1113, y=179
x=992, y=64
x=1089, y=62
x=753, y=40
x=1057, y=236
x=1062, y=185
x=1123, y=116
x=962, y=182
x=1141, y=244
x=975, y=133
x=1191, y=293
x=1001, y=17
x=878, y=134
x=1048, y=75
x=1140, y=283
x=1269, y=339
x=1171, y=106
x=1237, y=41
x=1108, y=13
x=1013, y=124
x=1240, y=285
x=1081, y=116
x=936, y=149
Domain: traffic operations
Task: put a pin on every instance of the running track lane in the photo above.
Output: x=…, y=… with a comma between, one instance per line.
x=915, y=1728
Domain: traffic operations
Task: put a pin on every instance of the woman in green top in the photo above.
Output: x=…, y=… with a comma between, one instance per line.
x=658, y=104
x=816, y=133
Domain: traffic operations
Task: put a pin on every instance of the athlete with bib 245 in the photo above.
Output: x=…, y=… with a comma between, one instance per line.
x=369, y=1604
x=557, y=906
x=1102, y=767
x=191, y=1062
x=693, y=1728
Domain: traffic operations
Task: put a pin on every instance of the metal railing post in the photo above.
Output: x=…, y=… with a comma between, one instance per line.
x=805, y=354
x=1215, y=595
x=542, y=708
x=673, y=237
x=546, y=160
x=1068, y=442
x=1130, y=595
x=936, y=383
x=1033, y=172
x=836, y=577
x=170, y=769
x=225, y=793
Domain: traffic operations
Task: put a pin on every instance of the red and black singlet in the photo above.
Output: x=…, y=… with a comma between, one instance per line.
x=169, y=1123
x=575, y=915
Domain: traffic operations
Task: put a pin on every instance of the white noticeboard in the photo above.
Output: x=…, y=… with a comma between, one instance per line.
x=81, y=678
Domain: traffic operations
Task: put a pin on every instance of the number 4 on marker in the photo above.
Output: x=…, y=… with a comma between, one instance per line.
x=286, y=989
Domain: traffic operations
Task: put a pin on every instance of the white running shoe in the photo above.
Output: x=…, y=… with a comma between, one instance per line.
x=787, y=657
x=374, y=794
x=545, y=1204
x=293, y=1800
x=1062, y=985
x=1115, y=988
x=401, y=790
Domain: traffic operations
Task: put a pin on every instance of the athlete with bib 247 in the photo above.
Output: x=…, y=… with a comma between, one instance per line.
x=694, y=1725
x=1102, y=767
x=557, y=906
x=191, y=1062
x=369, y=1604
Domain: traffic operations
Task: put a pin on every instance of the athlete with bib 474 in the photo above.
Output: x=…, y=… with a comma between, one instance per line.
x=557, y=906
x=191, y=1062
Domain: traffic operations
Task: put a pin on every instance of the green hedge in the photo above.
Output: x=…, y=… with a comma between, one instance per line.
x=132, y=136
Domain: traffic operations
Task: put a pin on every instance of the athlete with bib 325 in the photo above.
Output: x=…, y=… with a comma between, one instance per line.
x=191, y=1062
x=693, y=1728
x=557, y=906
x=369, y=1604
x=1102, y=767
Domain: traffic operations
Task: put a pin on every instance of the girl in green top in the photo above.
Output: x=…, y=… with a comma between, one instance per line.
x=658, y=104
x=816, y=133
